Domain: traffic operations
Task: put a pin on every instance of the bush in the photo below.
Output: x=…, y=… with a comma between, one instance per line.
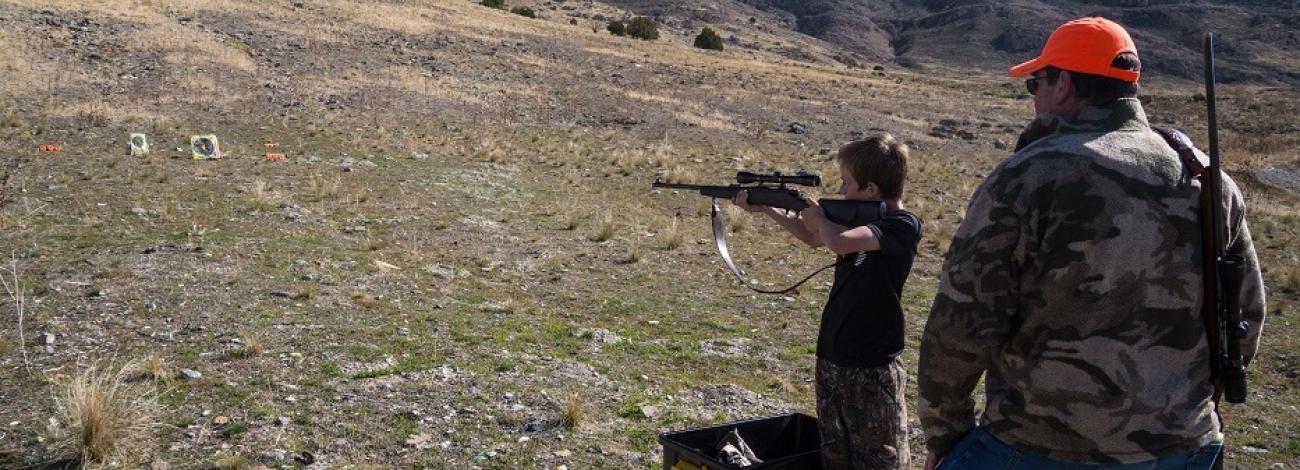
x=501, y=4
x=523, y=11
x=708, y=40
x=616, y=28
x=643, y=28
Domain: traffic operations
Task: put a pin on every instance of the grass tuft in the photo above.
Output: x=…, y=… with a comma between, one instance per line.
x=605, y=229
x=259, y=197
x=1293, y=278
x=103, y=416
x=673, y=236
x=574, y=412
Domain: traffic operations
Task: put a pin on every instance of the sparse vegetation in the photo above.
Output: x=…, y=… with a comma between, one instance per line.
x=708, y=39
x=574, y=412
x=605, y=229
x=498, y=4
x=524, y=11
x=616, y=28
x=644, y=28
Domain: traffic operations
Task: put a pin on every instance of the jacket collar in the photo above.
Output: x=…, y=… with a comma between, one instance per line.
x=1124, y=114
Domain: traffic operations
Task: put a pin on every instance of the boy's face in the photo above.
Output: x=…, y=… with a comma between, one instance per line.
x=851, y=189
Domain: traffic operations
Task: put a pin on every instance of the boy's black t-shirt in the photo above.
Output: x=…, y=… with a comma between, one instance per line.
x=862, y=324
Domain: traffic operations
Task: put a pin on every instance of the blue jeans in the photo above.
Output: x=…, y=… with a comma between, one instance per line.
x=979, y=450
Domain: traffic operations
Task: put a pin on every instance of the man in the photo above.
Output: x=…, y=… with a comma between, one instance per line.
x=1074, y=285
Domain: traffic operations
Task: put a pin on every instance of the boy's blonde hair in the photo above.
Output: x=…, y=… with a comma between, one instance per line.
x=878, y=159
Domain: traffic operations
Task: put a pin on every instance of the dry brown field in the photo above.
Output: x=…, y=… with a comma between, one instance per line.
x=461, y=262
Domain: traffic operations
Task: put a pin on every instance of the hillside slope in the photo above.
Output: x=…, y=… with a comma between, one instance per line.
x=1257, y=39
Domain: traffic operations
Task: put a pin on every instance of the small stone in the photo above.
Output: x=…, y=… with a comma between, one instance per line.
x=564, y=454
x=562, y=467
x=797, y=128
x=159, y=465
x=221, y=421
x=45, y=339
x=191, y=374
x=523, y=439
x=272, y=457
x=650, y=411
x=282, y=421
x=1254, y=450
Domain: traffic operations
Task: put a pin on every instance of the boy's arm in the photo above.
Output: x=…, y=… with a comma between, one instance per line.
x=839, y=239
x=790, y=223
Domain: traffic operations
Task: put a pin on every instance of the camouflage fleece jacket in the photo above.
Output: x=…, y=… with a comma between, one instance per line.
x=1074, y=286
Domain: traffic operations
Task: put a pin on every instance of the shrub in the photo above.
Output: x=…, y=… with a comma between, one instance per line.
x=708, y=40
x=523, y=11
x=643, y=28
x=501, y=4
x=616, y=28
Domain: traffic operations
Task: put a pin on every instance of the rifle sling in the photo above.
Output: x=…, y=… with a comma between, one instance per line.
x=1209, y=285
x=720, y=238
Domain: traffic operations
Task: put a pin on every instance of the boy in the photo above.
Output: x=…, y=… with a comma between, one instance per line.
x=860, y=379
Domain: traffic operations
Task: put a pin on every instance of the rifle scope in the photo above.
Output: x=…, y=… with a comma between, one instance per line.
x=801, y=178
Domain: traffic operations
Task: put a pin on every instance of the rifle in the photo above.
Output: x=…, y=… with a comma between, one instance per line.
x=1224, y=271
x=771, y=190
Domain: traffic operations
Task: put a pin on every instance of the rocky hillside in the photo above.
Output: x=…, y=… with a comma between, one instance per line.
x=1257, y=38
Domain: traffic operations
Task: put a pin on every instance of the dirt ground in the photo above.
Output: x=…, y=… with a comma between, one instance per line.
x=461, y=263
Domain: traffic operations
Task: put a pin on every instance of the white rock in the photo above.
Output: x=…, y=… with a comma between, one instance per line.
x=191, y=374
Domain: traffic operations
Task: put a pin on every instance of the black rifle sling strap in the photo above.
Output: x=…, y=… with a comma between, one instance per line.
x=720, y=238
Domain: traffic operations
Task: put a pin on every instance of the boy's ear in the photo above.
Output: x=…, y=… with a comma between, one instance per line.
x=872, y=189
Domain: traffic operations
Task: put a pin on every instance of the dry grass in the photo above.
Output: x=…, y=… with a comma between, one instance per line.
x=253, y=343
x=259, y=197
x=103, y=415
x=232, y=462
x=673, y=236
x=605, y=229
x=573, y=219
x=573, y=412
x=152, y=368
x=13, y=286
x=1293, y=278
x=737, y=219
x=323, y=188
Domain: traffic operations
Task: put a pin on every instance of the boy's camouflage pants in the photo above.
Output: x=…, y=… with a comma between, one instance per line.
x=862, y=416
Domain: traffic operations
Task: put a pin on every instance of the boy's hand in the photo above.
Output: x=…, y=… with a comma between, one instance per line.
x=742, y=201
x=813, y=215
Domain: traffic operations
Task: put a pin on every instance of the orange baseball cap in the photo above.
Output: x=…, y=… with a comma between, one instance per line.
x=1085, y=45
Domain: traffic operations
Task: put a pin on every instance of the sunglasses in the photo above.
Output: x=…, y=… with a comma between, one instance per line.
x=1031, y=84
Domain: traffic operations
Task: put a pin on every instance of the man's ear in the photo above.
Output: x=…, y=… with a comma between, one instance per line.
x=1063, y=92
